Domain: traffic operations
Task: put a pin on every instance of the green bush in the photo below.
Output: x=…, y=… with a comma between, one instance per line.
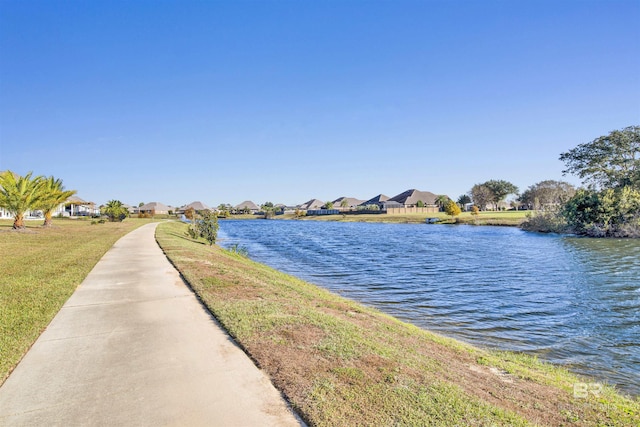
x=606, y=213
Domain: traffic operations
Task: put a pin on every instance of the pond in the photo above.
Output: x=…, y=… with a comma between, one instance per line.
x=571, y=301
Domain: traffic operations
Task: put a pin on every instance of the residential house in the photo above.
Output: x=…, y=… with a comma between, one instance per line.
x=410, y=198
x=378, y=201
x=5, y=214
x=313, y=204
x=410, y=202
x=247, y=206
x=155, y=208
x=196, y=206
x=346, y=203
x=76, y=206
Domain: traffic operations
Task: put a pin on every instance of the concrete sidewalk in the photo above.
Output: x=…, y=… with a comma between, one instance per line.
x=133, y=346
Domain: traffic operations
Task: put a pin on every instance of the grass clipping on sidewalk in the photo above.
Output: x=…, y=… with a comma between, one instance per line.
x=340, y=363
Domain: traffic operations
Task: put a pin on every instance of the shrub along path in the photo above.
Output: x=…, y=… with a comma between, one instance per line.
x=133, y=346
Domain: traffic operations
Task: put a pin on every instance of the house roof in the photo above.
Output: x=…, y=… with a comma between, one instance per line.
x=351, y=201
x=198, y=206
x=154, y=206
x=412, y=196
x=375, y=200
x=312, y=204
x=77, y=201
x=391, y=204
x=247, y=204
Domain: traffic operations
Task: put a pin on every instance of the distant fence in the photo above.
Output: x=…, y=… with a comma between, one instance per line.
x=323, y=212
x=415, y=210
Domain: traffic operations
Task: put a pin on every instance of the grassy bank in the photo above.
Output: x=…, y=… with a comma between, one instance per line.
x=509, y=218
x=40, y=268
x=342, y=364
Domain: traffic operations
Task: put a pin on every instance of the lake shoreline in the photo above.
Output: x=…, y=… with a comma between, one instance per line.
x=341, y=363
x=498, y=218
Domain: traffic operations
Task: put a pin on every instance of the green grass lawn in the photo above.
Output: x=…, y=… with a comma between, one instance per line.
x=510, y=218
x=340, y=363
x=39, y=270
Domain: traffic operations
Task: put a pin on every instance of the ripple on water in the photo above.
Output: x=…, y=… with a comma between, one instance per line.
x=572, y=301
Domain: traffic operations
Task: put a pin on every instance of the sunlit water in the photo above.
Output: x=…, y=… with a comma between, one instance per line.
x=571, y=301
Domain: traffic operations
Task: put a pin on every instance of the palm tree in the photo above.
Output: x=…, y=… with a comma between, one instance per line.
x=53, y=194
x=441, y=201
x=115, y=211
x=18, y=194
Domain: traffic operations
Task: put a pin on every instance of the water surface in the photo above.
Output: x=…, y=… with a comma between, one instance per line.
x=571, y=301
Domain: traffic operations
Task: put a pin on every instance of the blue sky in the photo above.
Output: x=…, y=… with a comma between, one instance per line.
x=284, y=101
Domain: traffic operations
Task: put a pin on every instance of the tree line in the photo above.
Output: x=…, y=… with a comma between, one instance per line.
x=608, y=204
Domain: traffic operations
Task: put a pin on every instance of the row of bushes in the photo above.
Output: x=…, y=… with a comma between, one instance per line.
x=604, y=213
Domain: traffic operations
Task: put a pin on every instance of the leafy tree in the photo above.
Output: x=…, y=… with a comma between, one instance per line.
x=481, y=196
x=115, y=211
x=547, y=194
x=344, y=203
x=208, y=226
x=500, y=189
x=267, y=205
x=19, y=194
x=610, y=161
x=463, y=200
x=52, y=195
x=606, y=213
x=328, y=205
x=452, y=208
x=190, y=214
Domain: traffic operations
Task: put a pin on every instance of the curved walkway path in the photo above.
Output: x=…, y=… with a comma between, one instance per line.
x=133, y=346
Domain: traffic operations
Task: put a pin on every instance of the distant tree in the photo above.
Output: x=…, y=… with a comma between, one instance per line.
x=500, y=189
x=190, y=213
x=442, y=201
x=223, y=210
x=269, y=210
x=420, y=204
x=452, y=208
x=19, y=194
x=207, y=226
x=53, y=195
x=140, y=204
x=482, y=196
x=328, y=205
x=547, y=194
x=344, y=203
x=115, y=211
x=610, y=161
x=464, y=200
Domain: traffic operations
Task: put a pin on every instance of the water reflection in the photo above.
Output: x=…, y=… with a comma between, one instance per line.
x=572, y=301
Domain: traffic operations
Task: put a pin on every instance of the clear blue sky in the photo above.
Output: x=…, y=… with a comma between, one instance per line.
x=284, y=101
